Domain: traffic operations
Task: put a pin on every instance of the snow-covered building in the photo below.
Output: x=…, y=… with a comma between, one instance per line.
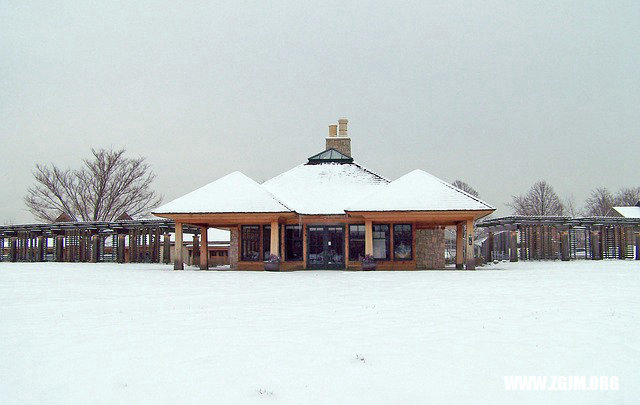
x=329, y=212
x=632, y=211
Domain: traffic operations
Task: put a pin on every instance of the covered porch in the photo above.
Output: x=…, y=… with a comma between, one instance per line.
x=397, y=240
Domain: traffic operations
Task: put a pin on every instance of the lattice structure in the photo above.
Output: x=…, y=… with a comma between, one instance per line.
x=89, y=241
x=551, y=238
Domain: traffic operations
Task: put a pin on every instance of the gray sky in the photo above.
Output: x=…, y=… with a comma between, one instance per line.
x=499, y=94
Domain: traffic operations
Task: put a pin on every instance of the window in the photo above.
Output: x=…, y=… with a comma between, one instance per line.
x=293, y=242
x=356, y=242
x=381, y=242
x=250, y=240
x=266, y=241
x=402, y=242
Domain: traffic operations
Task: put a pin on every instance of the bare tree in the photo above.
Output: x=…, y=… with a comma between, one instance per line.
x=570, y=207
x=627, y=196
x=107, y=185
x=599, y=202
x=541, y=199
x=465, y=187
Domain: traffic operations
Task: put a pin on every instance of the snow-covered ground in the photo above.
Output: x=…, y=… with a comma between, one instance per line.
x=105, y=333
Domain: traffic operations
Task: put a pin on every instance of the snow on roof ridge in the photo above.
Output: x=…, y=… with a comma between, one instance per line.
x=452, y=187
x=236, y=176
x=372, y=172
x=351, y=178
x=381, y=200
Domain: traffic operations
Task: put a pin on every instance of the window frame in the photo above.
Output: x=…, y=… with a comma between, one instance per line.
x=404, y=238
x=266, y=238
x=358, y=239
x=387, y=240
x=243, y=256
x=288, y=241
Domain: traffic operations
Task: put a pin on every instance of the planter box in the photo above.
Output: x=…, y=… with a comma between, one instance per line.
x=369, y=266
x=272, y=266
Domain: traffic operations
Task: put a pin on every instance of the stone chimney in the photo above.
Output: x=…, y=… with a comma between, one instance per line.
x=340, y=141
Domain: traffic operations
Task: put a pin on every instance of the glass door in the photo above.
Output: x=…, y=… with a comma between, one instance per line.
x=325, y=247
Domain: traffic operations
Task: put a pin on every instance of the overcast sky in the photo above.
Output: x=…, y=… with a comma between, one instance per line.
x=499, y=94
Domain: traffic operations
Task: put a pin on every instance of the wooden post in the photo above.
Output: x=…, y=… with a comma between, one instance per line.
x=121, y=247
x=195, y=250
x=471, y=261
x=459, y=246
x=59, y=245
x=156, y=246
x=565, y=250
x=513, y=245
x=41, y=249
x=177, y=261
x=13, y=249
x=490, y=247
x=204, y=248
x=638, y=246
x=368, y=237
x=132, y=242
x=595, y=245
x=274, y=239
x=95, y=241
x=166, y=248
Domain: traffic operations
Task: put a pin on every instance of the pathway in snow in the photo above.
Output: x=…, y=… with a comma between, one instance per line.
x=136, y=333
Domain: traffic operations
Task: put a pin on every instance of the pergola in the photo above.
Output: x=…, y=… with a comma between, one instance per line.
x=85, y=241
x=560, y=237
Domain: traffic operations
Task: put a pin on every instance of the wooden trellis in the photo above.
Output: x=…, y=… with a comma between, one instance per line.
x=551, y=238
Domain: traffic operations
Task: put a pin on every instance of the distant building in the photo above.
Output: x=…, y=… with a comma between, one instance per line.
x=625, y=212
x=330, y=212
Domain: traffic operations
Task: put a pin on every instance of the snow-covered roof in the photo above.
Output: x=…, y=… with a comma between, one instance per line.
x=234, y=192
x=418, y=191
x=628, y=212
x=327, y=188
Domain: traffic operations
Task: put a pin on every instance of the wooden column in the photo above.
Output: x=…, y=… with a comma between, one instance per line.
x=41, y=248
x=133, y=243
x=305, y=247
x=166, y=248
x=95, y=243
x=565, y=249
x=470, y=260
x=459, y=246
x=156, y=248
x=195, y=251
x=13, y=249
x=204, y=248
x=513, y=245
x=275, y=245
x=59, y=245
x=143, y=249
x=368, y=238
x=177, y=261
x=596, y=254
x=490, y=247
x=121, y=247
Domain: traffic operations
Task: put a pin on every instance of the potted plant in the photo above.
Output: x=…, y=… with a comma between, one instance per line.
x=368, y=263
x=272, y=263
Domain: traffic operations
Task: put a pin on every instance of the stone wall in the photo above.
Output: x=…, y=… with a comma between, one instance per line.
x=430, y=248
x=233, y=248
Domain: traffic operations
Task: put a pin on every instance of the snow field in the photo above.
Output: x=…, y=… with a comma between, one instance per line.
x=108, y=333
